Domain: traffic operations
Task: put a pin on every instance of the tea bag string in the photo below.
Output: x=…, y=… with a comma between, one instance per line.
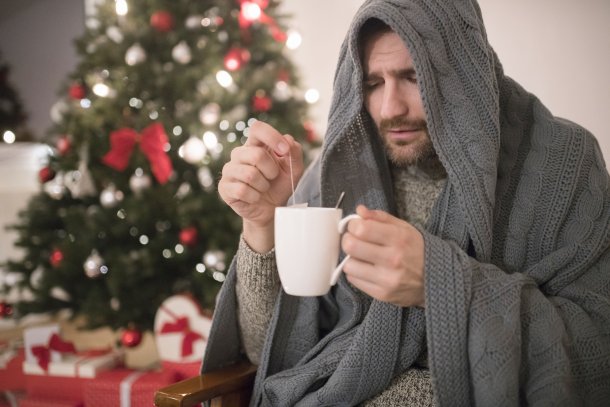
x=291, y=177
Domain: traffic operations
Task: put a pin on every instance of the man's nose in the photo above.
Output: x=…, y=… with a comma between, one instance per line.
x=394, y=102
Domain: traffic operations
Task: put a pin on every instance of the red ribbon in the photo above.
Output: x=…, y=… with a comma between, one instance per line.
x=152, y=141
x=244, y=23
x=182, y=325
x=43, y=353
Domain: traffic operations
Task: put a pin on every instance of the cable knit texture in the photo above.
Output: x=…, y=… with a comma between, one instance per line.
x=517, y=249
x=257, y=285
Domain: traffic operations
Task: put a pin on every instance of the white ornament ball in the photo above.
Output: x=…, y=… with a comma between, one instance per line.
x=193, y=150
x=36, y=277
x=115, y=34
x=115, y=304
x=58, y=110
x=60, y=294
x=182, y=53
x=209, y=114
x=111, y=197
x=205, y=178
x=56, y=188
x=93, y=265
x=282, y=91
x=139, y=182
x=193, y=22
x=135, y=55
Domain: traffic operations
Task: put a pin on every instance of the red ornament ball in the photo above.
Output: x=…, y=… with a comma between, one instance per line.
x=131, y=337
x=46, y=174
x=261, y=103
x=6, y=309
x=56, y=257
x=64, y=145
x=236, y=58
x=189, y=236
x=77, y=91
x=162, y=21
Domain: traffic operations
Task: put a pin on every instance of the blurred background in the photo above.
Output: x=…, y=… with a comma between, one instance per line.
x=557, y=49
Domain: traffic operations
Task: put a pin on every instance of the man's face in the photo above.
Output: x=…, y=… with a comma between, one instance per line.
x=393, y=100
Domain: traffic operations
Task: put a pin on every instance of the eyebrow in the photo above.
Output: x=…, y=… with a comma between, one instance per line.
x=407, y=72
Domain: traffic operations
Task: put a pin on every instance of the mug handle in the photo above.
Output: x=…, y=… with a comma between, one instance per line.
x=342, y=226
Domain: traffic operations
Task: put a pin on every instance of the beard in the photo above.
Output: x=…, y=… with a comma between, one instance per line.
x=407, y=153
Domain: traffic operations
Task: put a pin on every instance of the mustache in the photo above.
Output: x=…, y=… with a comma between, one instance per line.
x=402, y=123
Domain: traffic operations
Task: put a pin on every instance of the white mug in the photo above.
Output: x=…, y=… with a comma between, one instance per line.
x=307, y=242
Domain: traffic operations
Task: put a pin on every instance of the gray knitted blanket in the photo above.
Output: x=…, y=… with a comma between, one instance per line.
x=517, y=249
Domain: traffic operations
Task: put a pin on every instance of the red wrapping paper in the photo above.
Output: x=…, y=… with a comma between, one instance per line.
x=11, y=376
x=69, y=389
x=39, y=401
x=139, y=386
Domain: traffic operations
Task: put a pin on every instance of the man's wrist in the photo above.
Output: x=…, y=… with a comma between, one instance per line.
x=260, y=238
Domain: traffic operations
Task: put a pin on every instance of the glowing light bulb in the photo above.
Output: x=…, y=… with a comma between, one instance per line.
x=250, y=11
x=9, y=137
x=312, y=96
x=294, y=40
x=101, y=90
x=224, y=79
x=121, y=7
x=210, y=140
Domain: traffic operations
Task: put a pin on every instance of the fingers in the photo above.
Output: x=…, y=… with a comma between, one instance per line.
x=255, y=157
x=262, y=134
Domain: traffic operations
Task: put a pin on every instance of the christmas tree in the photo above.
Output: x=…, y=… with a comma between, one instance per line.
x=128, y=212
x=12, y=115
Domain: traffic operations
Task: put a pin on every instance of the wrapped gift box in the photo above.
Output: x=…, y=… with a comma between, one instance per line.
x=47, y=354
x=11, y=373
x=37, y=401
x=66, y=389
x=126, y=387
x=181, y=334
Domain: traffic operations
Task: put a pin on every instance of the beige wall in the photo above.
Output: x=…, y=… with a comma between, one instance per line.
x=557, y=49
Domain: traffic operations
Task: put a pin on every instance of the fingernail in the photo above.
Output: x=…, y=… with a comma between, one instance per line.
x=281, y=148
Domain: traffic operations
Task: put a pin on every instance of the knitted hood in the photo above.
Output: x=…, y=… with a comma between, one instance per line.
x=455, y=68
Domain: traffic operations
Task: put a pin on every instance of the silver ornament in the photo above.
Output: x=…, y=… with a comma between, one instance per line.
x=209, y=114
x=93, y=265
x=193, y=22
x=115, y=34
x=36, y=277
x=139, y=181
x=58, y=110
x=60, y=294
x=182, y=53
x=193, y=150
x=205, y=178
x=110, y=196
x=135, y=55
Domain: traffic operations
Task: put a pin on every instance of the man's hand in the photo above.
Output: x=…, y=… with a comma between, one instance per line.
x=387, y=258
x=257, y=180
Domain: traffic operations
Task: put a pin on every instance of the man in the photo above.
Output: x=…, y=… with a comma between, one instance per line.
x=480, y=270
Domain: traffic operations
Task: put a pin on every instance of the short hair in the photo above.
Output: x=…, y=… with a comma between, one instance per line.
x=370, y=28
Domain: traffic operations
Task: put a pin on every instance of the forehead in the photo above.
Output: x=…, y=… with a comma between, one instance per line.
x=385, y=50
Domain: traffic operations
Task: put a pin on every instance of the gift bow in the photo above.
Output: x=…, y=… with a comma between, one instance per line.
x=182, y=325
x=43, y=353
x=244, y=23
x=152, y=140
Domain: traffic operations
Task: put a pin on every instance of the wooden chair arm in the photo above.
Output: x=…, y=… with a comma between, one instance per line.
x=229, y=386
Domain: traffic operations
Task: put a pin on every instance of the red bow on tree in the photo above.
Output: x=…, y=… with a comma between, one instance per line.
x=43, y=353
x=182, y=325
x=245, y=21
x=151, y=140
